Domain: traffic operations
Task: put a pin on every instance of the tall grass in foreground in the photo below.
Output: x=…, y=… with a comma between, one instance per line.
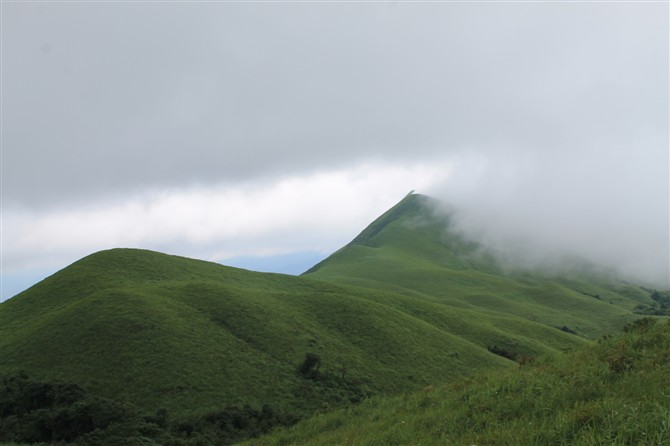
x=616, y=392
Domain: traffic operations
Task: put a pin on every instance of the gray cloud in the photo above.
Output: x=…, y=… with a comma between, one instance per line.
x=554, y=113
x=101, y=97
x=605, y=205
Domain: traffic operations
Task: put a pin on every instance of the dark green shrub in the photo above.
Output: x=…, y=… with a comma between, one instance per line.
x=567, y=329
x=640, y=325
x=500, y=351
x=310, y=366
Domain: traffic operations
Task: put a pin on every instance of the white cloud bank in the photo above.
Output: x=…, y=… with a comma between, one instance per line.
x=602, y=204
x=319, y=211
x=614, y=213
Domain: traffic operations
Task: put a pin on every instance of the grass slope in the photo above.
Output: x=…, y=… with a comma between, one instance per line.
x=615, y=392
x=165, y=331
x=414, y=249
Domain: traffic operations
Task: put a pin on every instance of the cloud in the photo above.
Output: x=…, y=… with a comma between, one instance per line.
x=216, y=129
x=139, y=95
x=607, y=204
x=320, y=211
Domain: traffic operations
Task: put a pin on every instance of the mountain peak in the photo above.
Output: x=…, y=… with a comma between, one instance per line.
x=415, y=227
x=412, y=205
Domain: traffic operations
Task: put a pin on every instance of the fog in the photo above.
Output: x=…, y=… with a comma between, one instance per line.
x=169, y=125
x=537, y=209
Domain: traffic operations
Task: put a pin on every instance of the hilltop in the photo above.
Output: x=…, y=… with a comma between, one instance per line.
x=415, y=249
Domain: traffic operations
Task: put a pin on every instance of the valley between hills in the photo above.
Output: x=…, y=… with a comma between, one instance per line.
x=410, y=334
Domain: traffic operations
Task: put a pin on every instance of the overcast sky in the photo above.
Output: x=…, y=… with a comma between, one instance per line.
x=229, y=130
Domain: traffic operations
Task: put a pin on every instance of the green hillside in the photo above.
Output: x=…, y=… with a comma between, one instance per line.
x=615, y=393
x=409, y=303
x=415, y=249
x=164, y=331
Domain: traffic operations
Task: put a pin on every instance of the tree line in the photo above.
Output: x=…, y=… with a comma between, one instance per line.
x=34, y=411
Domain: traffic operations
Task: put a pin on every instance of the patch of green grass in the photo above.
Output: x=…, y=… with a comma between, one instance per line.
x=615, y=392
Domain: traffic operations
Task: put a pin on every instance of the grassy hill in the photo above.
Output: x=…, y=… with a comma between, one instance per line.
x=415, y=249
x=614, y=392
x=408, y=304
x=164, y=331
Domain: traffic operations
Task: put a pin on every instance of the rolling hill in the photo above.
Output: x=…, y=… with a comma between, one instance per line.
x=415, y=249
x=163, y=331
x=408, y=303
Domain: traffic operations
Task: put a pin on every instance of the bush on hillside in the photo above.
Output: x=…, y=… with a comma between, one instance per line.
x=310, y=366
x=501, y=351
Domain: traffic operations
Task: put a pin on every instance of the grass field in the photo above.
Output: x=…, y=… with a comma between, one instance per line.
x=179, y=333
x=414, y=249
x=615, y=392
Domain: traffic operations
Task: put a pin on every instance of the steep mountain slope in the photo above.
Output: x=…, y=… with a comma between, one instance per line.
x=414, y=249
x=405, y=305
